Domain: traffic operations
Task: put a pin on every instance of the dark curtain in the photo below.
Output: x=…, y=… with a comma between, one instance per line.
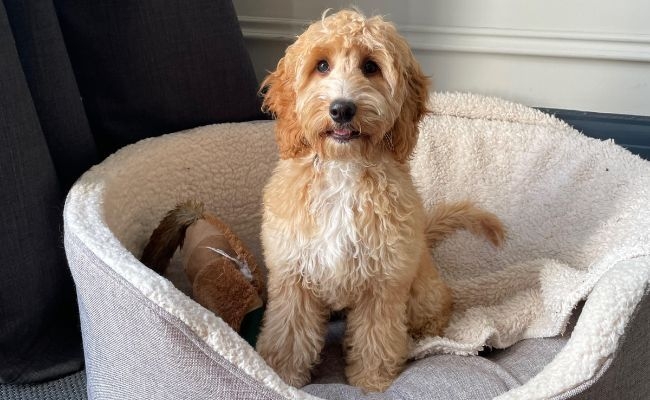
x=78, y=80
x=45, y=143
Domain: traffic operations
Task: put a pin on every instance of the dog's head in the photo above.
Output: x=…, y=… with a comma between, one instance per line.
x=348, y=86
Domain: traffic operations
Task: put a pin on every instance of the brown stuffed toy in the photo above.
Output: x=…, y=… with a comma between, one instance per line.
x=224, y=276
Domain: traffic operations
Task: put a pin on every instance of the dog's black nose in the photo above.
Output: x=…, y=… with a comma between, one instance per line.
x=342, y=111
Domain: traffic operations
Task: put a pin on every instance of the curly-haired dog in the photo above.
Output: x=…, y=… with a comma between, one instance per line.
x=343, y=226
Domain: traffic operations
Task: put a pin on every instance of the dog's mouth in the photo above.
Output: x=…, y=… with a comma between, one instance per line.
x=343, y=135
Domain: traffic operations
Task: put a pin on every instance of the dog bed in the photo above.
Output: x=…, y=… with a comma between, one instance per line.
x=578, y=222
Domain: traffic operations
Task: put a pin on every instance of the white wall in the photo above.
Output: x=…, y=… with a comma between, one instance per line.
x=574, y=54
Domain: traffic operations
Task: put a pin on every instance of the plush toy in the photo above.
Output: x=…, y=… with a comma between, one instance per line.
x=224, y=276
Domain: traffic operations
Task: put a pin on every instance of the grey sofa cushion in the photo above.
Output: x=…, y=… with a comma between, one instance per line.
x=150, y=67
x=54, y=93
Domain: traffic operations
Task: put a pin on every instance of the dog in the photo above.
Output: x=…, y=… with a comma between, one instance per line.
x=343, y=226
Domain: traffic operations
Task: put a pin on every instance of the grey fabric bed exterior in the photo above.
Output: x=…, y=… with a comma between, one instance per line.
x=145, y=339
x=168, y=361
x=624, y=378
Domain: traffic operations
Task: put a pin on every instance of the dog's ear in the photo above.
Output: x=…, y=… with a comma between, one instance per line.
x=404, y=135
x=280, y=100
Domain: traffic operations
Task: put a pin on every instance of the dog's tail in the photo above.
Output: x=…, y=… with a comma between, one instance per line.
x=170, y=234
x=446, y=218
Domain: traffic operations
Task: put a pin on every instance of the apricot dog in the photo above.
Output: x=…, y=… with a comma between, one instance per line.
x=344, y=227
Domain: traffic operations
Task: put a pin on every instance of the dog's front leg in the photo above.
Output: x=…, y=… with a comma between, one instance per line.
x=294, y=328
x=377, y=341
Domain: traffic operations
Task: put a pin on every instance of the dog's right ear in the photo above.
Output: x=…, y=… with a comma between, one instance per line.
x=278, y=90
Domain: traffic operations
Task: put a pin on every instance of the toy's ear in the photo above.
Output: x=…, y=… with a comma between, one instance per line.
x=279, y=94
x=404, y=135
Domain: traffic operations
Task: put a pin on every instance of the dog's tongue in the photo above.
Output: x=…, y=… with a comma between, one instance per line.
x=342, y=132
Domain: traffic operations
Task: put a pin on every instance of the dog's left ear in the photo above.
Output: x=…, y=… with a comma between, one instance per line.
x=404, y=135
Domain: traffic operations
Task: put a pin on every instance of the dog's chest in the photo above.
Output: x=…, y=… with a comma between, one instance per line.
x=353, y=209
x=342, y=226
x=334, y=206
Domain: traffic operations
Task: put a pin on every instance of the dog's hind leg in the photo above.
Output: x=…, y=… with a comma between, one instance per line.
x=431, y=302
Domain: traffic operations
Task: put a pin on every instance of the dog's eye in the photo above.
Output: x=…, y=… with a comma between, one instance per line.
x=369, y=67
x=323, y=66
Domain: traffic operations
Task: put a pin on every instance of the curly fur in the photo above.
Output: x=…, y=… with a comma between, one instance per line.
x=344, y=227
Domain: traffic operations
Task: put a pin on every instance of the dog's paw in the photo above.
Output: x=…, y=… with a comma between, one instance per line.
x=286, y=368
x=292, y=378
x=371, y=381
x=291, y=375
